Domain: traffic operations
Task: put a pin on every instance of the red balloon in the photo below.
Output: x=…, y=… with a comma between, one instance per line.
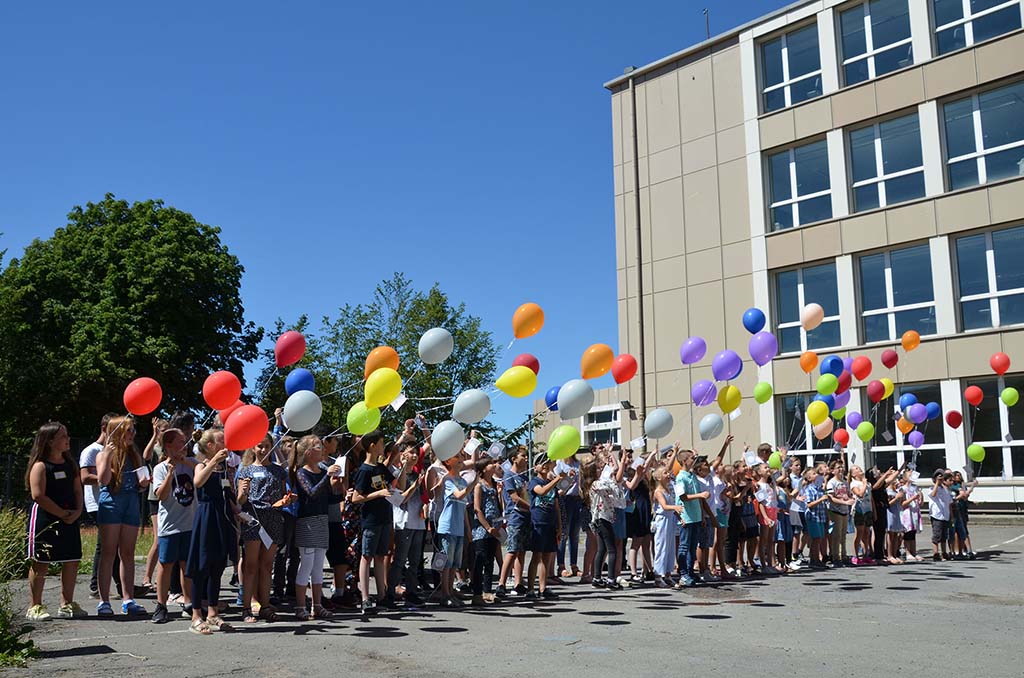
x=1000, y=362
x=624, y=368
x=527, y=360
x=143, y=396
x=890, y=358
x=844, y=382
x=974, y=395
x=861, y=367
x=245, y=428
x=226, y=412
x=954, y=418
x=221, y=389
x=876, y=391
x=841, y=436
x=289, y=349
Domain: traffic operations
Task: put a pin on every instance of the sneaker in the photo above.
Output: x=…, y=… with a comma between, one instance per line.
x=186, y=611
x=937, y=557
x=74, y=609
x=521, y=590
x=413, y=599
x=971, y=555
x=104, y=610
x=234, y=579
x=711, y=578
x=548, y=594
x=794, y=566
x=613, y=585
x=94, y=594
x=598, y=583
x=388, y=603
x=530, y=595
x=687, y=580
x=175, y=599
x=366, y=607
x=160, y=615
x=500, y=593
x=478, y=601
x=132, y=609
x=37, y=613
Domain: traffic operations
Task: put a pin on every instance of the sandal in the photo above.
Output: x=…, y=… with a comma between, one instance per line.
x=322, y=613
x=248, y=617
x=302, y=614
x=268, y=613
x=218, y=624
x=200, y=627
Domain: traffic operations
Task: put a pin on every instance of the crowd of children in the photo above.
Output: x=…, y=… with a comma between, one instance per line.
x=369, y=507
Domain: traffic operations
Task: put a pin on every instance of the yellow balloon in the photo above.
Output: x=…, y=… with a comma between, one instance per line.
x=729, y=398
x=817, y=412
x=518, y=382
x=889, y=386
x=382, y=387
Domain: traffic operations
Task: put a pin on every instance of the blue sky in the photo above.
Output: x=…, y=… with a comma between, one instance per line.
x=467, y=143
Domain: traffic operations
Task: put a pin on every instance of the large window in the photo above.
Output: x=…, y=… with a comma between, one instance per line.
x=996, y=427
x=799, y=185
x=796, y=432
x=985, y=136
x=896, y=293
x=991, y=278
x=794, y=290
x=886, y=163
x=601, y=425
x=890, y=447
x=959, y=23
x=790, y=68
x=875, y=38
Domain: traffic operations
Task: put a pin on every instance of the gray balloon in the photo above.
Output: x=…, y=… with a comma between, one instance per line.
x=447, y=440
x=658, y=423
x=711, y=426
x=575, y=399
x=436, y=345
x=302, y=411
x=471, y=406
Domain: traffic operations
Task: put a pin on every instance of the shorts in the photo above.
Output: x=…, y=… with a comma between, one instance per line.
x=518, y=538
x=338, y=545
x=619, y=526
x=722, y=518
x=939, y=530
x=815, y=529
x=376, y=541
x=960, y=527
x=863, y=519
x=173, y=548
x=51, y=540
x=542, y=538
x=452, y=547
x=118, y=509
x=154, y=508
x=709, y=533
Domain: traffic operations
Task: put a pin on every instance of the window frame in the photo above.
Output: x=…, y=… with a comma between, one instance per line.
x=808, y=451
x=967, y=20
x=994, y=294
x=899, y=443
x=889, y=308
x=869, y=44
x=614, y=426
x=801, y=302
x=786, y=83
x=880, y=177
x=1001, y=445
x=977, y=155
x=794, y=199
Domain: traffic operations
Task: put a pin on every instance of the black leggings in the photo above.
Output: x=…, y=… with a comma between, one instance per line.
x=483, y=564
x=206, y=585
x=879, y=536
x=734, y=537
x=605, y=547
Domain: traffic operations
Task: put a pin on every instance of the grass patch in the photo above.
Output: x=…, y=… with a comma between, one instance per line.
x=15, y=648
x=89, y=546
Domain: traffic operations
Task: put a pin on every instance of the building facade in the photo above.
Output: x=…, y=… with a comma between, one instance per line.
x=867, y=156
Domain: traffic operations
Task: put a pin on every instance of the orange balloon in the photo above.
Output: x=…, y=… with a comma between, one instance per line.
x=808, y=361
x=596, y=361
x=382, y=356
x=904, y=425
x=910, y=340
x=527, y=320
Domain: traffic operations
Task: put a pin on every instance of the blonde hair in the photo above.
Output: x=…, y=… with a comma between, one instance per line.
x=122, y=450
x=299, y=454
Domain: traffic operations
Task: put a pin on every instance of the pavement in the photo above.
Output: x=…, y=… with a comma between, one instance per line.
x=922, y=619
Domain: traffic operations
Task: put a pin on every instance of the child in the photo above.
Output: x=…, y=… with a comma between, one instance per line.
x=666, y=528
x=286, y=563
x=961, y=493
x=486, y=528
x=605, y=496
x=839, y=513
x=797, y=509
x=814, y=498
x=783, y=528
x=910, y=517
x=54, y=537
x=939, y=500
x=517, y=523
x=175, y=492
x=693, y=535
x=410, y=528
x=894, y=524
x=451, y=526
x=863, y=517
x=311, y=535
x=547, y=526
x=638, y=520
x=767, y=516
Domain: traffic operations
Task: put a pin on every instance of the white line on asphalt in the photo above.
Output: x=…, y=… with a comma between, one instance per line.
x=1008, y=541
x=108, y=636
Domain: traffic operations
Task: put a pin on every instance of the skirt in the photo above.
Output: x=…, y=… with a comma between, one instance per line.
x=51, y=540
x=213, y=538
x=271, y=520
x=312, y=532
x=638, y=521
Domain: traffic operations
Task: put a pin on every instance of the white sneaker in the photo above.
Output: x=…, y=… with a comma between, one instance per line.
x=794, y=566
x=38, y=613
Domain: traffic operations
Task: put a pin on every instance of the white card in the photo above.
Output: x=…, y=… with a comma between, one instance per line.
x=265, y=538
x=341, y=462
x=637, y=462
x=853, y=457
x=495, y=450
x=397, y=403
x=751, y=458
x=472, y=444
x=914, y=476
x=637, y=443
x=142, y=472
x=735, y=414
x=886, y=436
x=396, y=498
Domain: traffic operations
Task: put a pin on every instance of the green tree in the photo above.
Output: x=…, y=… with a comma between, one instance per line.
x=123, y=290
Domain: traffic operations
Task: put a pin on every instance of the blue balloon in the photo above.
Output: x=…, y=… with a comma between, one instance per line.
x=907, y=400
x=934, y=410
x=754, y=320
x=828, y=400
x=832, y=365
x=299, y=379
x=551, y=398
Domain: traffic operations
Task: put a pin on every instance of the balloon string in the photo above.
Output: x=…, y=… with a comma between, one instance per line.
x=343, y=388
x=439, y=407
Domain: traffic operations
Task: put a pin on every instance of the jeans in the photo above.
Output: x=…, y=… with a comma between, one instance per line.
x=483, y=564
x=691, y=537
x=93, y=585
x=573, y=508
x=605, y=547
x=286, y=562
x=408, y=549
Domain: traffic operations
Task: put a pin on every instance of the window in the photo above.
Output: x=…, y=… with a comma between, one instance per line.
x=601, y=425
x=996, y=427
x=790, y=68
x=603, y=417
x=794, y=290
x=896, y=293
x=991, y=279
x=799, y=185
x=890, y=448
x=796, y=430
x=887, y=164
x=960, y=23
x=875, y=38
x=985, y=136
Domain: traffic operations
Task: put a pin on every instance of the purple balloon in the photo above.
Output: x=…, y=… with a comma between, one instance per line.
x=847, y=364
x=693, y=349
x=703, y=393
x=854, y=419
x=726, y=365
x=916, y=439
x=763, y=347
x=842, y=399
x=917, y=413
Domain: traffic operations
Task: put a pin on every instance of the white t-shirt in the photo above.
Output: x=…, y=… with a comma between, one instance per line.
x=938, y=504
x=797, y=505
x=409, y=517
x=88, y=458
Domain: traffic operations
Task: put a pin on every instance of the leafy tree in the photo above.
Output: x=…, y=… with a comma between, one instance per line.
x=123, y=290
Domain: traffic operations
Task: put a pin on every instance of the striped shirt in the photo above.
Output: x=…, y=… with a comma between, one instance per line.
x=812, y=494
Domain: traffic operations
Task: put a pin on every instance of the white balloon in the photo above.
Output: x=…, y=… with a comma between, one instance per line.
x=436, y=345
x=471, y=406
x=711, y=426
x=658, y=423
x=575, y=399
x=302, y=411
x=447, y=440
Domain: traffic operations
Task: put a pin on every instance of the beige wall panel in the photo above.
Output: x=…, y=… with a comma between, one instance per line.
x=699, y=154
x=673, y=387
x=962, y=211
x=736, y=259
x=864, y=232
x=968, y=355
x=703, y=267
x=617, y=128
x=1013, y=345
x=926, y=363
x=706, y=316
x=821, y=241
x=620, y=232
x=666, y=224
x=629, y=228
x=788, y=377
x=1007, y=201
x=734, y=205
x=739, y=296
x=745, y=428
x=853, y=105
x=950, y=74
x=813, y=118
x=911, y=222
x=626, y=123
x=681, y=427
x=628, y=180
x=732, y=144
x=900, y=90
x=665, y=165
x=641, y=117
x=631, y=282
x=1000, y=58
x=669, y=274
x=728, y=88
x=662, y=112
x=777, y=129
x=621, y=286
x=670, y=321
x=618, y=184
x=696, y=100
x=701, y=206
x=785, y=248
x=645, y=176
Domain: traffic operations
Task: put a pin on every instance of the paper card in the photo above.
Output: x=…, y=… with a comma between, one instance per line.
x=886, y=436
x=637, y=462
x=438, y=562
x=142, y=472
x=853, y=456
x=421, y=422
x=495, y=450
x=472, y=444
x=265, y=538
x=1008, y=438
x=397, y=403
x=468, y=476
x=637, y=443
x=665, y=450
x=735, y=414
x=506, y=467
x=751, y=458
x=837, y=448
x=396, y=498
x=914, y=476
x=786, y=464
x=341, y=462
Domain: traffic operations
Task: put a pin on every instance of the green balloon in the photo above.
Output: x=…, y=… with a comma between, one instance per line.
x=839, y=414
x=827, y=384
x=762, y=392
x=866, y=431
x=362, y=419
x=976, y=453
x=563, y=443
x=775, y=460
x=1010, y=396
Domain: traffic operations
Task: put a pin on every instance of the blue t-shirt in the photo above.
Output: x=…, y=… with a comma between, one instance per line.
x=515, y=515
x=453, y=516
x=687, y=483
x=542, y=507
